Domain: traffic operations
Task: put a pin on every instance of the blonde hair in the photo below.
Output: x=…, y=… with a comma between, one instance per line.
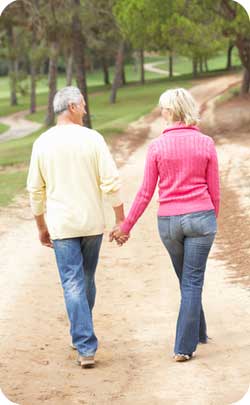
x=182, y=105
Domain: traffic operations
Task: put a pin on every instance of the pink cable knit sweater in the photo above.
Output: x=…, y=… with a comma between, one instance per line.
x=184, y=163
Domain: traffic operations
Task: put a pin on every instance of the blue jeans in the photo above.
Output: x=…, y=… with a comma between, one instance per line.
x=188, y=239
x=77, y=260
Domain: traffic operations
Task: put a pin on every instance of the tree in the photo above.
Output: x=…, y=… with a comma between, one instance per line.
x=192, y=31
x=11, y=45
x=229, y=54
x=79, y=45
x=131, y=17
x=103, y=34
x=36, y=49
x=142, y=23
x=117, y=82
x=51, y=25
x=234, y=23
x=69, y=65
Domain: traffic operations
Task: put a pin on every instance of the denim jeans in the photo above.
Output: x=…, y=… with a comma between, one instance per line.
x=77, y=260
x=188, y=239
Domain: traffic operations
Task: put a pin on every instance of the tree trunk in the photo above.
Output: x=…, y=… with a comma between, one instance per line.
x=90, y=64
x=245, y=85
x=45, y=67
x=69, y=69
x=118, y=72
x=195, y=67
x=206, y=65
x=13, y=65
x=243, y=45
x=33, y=87
x=79, y=44
x=105, y=71
x=142, y=66
x=13, y=72
x=229, y=56
x=123, y=76
x=52, y=82
x=170, y=65
x=201, y=65
x=33, y=73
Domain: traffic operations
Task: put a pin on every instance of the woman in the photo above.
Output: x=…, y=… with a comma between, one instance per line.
x=184, y=163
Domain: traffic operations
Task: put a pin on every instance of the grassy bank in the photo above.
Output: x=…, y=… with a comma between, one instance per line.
x=3, y=128
x=231, y=93
x=182, y=66
x=14, y=160
x=133, y=102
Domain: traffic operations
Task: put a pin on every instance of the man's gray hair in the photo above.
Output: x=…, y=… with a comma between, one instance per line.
x=64, y=97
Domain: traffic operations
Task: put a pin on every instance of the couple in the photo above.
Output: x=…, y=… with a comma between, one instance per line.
x=71, y=167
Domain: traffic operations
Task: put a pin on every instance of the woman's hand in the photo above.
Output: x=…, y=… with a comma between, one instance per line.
x=118, y=235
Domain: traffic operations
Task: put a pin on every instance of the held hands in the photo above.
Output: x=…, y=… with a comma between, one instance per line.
x=118, y=235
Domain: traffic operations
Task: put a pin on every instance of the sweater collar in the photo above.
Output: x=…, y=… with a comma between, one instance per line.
x=178, y=126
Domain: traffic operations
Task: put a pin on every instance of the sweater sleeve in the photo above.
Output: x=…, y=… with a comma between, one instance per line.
x=213, y=178
x=110, y=183
x=36, y=184
x=145, y=192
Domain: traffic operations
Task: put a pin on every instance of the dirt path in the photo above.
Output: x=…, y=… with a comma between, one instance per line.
x=136, y=309
x=19, y=126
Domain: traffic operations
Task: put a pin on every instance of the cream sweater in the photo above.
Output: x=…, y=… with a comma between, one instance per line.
x=70, y=169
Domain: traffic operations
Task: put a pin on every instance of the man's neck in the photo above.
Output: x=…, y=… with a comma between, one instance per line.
x=65, y=119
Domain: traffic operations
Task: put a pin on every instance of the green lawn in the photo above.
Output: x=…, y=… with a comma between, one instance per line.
x=133, y=102
x=12, y=177
x=182, y=65
x=17, y=151
x=11, y=185
x=3, y=128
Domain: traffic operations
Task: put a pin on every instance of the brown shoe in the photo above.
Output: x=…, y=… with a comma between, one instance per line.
x=181, y=357
x=86, y=362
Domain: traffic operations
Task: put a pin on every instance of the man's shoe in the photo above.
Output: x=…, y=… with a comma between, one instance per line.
x=86, y=362
x=179, y=357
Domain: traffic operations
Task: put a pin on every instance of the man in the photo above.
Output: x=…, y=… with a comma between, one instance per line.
x=70, y=168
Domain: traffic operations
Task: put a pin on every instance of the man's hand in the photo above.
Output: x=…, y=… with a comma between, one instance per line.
x=43, y=232
x=119, y=236
x=44, y=237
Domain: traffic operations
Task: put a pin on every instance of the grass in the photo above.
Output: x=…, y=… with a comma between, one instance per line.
x=3, y=128
x=133, y=101
x=14, y=159
x=182, y=65
x=11, y=184
x=17, y=151
x=231, y=93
